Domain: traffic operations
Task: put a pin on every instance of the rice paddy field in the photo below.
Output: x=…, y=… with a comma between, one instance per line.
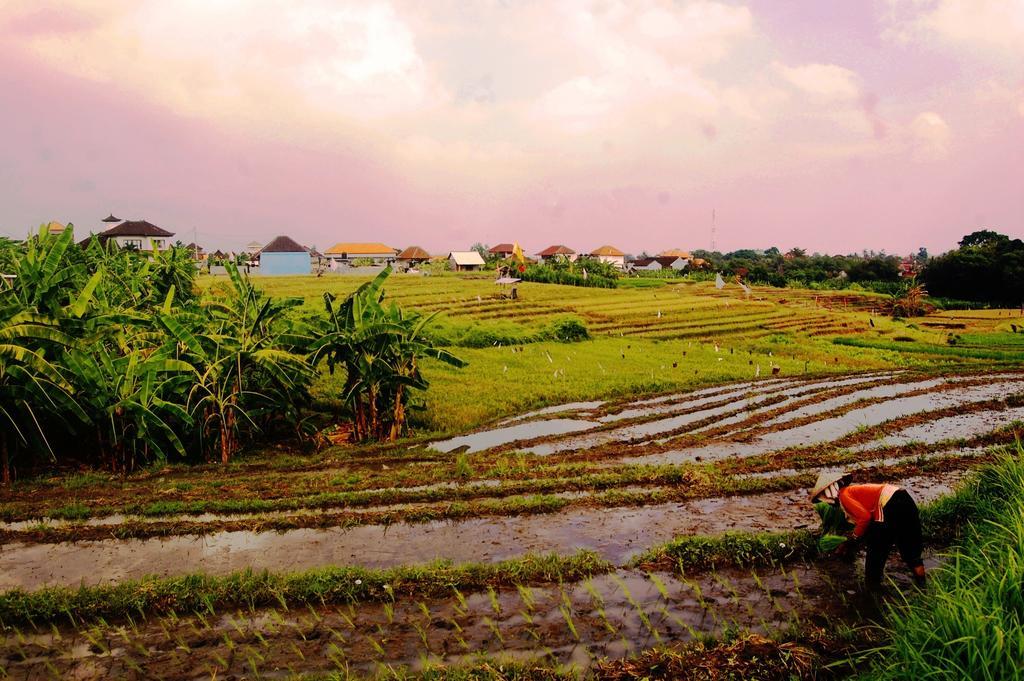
x=633, y=504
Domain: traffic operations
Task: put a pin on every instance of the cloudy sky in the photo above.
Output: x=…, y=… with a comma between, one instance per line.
x=835, y=126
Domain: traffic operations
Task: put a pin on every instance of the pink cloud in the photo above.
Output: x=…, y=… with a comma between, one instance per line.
x=616, y=122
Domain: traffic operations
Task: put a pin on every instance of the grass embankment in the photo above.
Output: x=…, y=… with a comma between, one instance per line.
x=248, y=589
x=970, y=624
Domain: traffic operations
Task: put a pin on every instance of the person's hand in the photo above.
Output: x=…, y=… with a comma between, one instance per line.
x=845, y=551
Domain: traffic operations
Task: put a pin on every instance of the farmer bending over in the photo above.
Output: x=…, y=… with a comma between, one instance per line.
x=882, y=515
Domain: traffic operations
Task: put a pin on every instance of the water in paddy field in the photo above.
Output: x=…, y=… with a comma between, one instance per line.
x=617, y=534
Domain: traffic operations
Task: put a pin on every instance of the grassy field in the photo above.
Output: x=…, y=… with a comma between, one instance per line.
x=666, y=336
x=664, y=529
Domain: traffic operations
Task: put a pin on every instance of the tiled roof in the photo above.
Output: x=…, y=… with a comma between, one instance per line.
x=607, y=250
x=135, y=228
x=359, y=249
x=556, y=250
x=414, y=253
x=283, y=244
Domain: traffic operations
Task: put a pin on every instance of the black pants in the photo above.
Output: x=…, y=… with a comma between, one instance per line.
x=902, y=527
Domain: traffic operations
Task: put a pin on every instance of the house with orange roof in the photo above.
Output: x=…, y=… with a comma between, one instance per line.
x=610, y=255
x=345, y=253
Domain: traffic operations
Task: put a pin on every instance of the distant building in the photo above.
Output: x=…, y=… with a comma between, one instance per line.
x=345, y=253
x=677, y=253
x=552, y=253
x=462, y=261
x=137, y=234
x=284, y=255
x=501, y=250
x=412, y=256
x=909, y=267
x=197, y=251
x=610, y=255
x=253, y=248
x=661, y=262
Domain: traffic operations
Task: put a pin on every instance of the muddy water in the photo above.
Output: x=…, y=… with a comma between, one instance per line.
x=950, y=428
x=502, y=436
x=617, y=534
x=748, y=400
x=872, y=463
x=512, y=430
x=555, y=409
x=607, y=616
x=833, y=428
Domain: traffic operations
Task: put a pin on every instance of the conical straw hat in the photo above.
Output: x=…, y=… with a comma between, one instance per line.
x=826, y=478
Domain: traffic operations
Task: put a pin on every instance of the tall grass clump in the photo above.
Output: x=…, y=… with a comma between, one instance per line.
x=970, y=622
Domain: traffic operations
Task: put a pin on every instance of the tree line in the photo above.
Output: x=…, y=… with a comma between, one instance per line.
x=109, y=357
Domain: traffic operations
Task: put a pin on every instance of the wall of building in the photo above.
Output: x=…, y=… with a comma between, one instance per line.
x=285, y=263
x=144, y=243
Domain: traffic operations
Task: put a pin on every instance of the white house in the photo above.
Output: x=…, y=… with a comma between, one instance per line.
x=463, y=261
x=138, y=234
x=610, y=255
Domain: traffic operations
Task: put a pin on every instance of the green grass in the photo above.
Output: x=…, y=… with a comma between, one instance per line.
x=732, y=549
x=932, y=349
x=653, y=322
x=970, y=623
x=248, y=589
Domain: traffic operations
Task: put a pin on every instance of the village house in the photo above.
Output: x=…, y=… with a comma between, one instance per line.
x=677, y=253
x=610, y=255
x=558, y=252
x=197, y=251
x=660, y=262
x=465, y=261
x=413, y=256
x=346, y=253
x=284, y=255
x=502, y=251
x=136, y=234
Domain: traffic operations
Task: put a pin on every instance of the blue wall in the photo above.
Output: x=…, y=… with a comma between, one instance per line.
x=285, y=263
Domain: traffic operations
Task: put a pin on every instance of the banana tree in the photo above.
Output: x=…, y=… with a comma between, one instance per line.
x=30, y=384
x=249, y=360
x=380, y=348
x=133, y=395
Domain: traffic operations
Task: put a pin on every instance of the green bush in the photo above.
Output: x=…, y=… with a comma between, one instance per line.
x=570, y=330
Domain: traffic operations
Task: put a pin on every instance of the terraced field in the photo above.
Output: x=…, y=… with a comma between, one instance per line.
x=567, y=534
x=675, y=310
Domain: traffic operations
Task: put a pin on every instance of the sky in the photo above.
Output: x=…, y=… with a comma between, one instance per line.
x=831, y=126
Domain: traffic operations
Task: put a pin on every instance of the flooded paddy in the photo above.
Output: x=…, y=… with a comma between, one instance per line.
x=616, y=534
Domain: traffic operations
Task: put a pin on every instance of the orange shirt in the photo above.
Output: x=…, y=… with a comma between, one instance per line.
x=864, y=503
